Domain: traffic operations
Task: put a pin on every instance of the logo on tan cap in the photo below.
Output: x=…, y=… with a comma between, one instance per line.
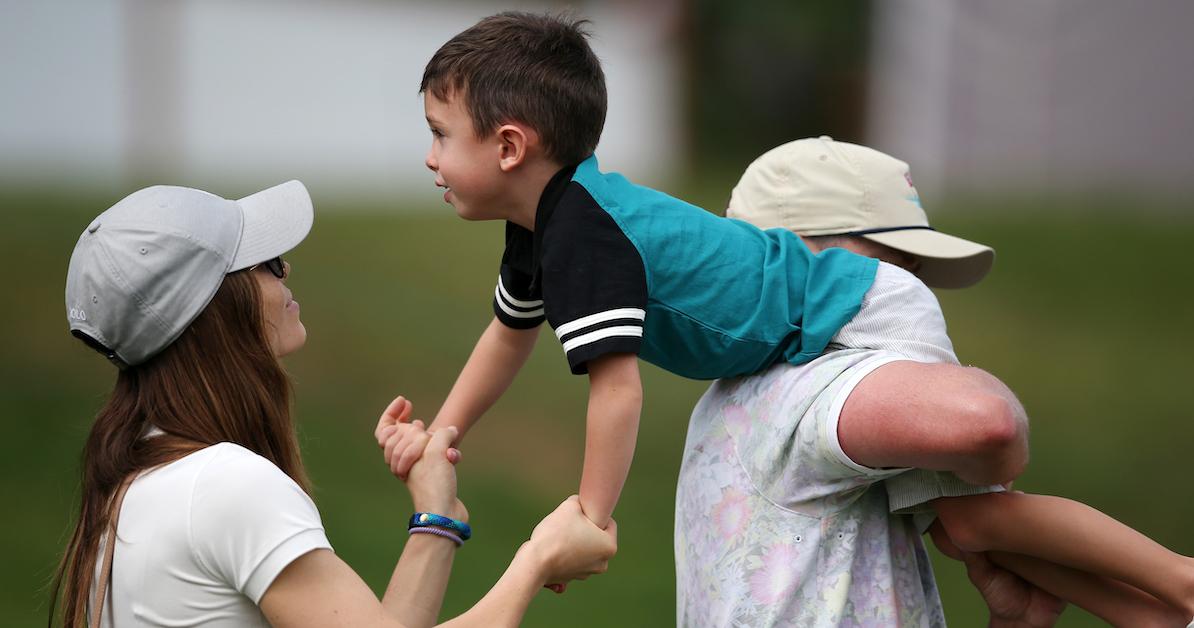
x=818, y=186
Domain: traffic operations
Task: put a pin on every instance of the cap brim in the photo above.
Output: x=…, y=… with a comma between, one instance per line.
x=276, y=221
x=945, y=261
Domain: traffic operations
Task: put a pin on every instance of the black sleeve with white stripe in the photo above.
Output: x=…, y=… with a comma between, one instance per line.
x=514, y=302
x=512, y=311
x=594, y=282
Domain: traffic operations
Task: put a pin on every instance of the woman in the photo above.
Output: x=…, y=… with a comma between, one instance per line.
x=194, y=457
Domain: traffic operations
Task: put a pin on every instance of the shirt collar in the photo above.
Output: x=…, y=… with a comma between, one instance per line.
x=552, y=193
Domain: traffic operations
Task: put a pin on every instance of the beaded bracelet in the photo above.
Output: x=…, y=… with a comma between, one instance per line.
x=438, y=532
x=424, y=519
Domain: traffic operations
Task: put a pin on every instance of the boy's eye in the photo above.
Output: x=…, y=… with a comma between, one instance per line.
x=436, y=133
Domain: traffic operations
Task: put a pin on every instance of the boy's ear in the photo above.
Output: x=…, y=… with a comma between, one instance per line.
x=514, y=145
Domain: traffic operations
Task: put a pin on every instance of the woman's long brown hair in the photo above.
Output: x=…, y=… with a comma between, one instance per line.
x=219, y=382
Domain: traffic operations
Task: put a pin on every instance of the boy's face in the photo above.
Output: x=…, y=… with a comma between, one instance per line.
x=465, y=165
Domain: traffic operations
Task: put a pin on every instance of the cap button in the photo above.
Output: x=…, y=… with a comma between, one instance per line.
x=826, y=138
x=93, y=227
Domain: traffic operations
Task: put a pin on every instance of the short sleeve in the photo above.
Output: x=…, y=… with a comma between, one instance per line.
x=249, y=520
x=594, y=281
x=517, y=302
x=785, y=427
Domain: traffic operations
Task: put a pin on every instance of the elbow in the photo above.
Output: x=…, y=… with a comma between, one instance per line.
x=1000, y=437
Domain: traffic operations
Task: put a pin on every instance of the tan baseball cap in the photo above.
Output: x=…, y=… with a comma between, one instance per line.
x=818, y=186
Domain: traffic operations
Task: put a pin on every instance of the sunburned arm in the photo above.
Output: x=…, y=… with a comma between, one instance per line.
x=941, y=417
x=615, y=403
x=499, y=355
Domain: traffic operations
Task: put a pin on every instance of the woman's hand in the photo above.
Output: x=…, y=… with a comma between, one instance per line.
x=566, y=545
x=432, y=479
x=405, y=443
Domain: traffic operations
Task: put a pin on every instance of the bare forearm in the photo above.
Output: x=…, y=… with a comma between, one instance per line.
x=416, y=589
x=507, y=602
x=615, y=404
x=500, y=353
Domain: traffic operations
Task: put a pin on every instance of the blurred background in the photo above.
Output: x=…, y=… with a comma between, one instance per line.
x=1057, y=131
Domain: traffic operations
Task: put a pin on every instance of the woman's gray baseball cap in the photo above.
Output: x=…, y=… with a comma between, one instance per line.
x=144, y=269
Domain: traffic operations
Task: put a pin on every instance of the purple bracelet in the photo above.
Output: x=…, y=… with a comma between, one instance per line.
x=438, y=532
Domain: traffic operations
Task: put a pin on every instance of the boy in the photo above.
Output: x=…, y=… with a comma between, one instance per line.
x=836, y=194
x=516, y=105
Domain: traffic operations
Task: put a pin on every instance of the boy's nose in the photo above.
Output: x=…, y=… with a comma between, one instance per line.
x=430, y=162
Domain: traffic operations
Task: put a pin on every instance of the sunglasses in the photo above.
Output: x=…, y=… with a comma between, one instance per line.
x=275, y=266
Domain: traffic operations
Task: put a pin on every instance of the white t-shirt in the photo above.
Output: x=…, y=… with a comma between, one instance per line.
x=201, y=539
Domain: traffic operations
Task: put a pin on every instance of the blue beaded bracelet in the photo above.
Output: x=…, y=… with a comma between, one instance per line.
x=426, y=519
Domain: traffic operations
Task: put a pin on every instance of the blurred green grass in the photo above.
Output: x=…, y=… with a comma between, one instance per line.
x=1087, y=315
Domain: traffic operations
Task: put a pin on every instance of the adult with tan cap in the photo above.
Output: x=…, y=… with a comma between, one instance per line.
x=804, y=489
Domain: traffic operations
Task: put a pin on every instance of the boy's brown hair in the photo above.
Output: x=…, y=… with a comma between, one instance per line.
x=530, y=68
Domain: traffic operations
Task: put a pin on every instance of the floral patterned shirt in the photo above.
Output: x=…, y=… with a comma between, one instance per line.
x=776, y=526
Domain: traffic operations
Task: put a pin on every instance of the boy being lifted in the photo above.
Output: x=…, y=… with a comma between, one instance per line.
x=516, y=105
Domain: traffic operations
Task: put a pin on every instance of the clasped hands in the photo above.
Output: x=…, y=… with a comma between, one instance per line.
x=564, y=546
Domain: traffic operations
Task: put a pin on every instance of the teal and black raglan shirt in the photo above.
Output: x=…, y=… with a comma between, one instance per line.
x=615, y=267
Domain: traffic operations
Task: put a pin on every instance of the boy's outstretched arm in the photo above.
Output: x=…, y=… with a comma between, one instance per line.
x=499, y=355
x=615, y=403
x=496, y=359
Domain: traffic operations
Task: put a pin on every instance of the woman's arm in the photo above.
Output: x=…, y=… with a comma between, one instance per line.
x=565, y=546
x=320, y=590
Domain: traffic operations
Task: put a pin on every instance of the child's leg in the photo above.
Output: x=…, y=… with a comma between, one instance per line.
x=1110, y=600
x=1071, y=534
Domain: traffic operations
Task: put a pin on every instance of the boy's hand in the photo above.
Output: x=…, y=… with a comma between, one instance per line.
x=403, y=440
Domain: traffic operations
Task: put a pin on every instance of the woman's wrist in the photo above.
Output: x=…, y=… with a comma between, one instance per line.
x=454, y=509
x=532, y=561
x=459, y=528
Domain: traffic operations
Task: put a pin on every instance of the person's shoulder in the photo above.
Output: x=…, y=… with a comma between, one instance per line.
x=234, y=472
x=237, y=487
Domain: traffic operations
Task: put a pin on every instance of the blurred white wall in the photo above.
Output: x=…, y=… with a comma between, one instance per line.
x=235, y=95
x=1028, y=96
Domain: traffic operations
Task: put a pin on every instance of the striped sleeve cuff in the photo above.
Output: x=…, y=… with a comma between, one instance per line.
x=516, y=313
x=612, y=331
